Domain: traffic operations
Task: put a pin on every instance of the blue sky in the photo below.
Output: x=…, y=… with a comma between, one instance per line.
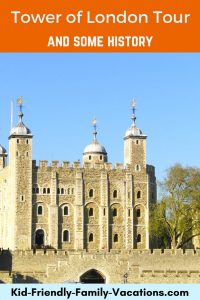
x=63, y=92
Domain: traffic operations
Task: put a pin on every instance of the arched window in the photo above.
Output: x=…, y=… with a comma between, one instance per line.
x=44, y=191
x=27, y=142
x=101, y=157
x=58, y=191
x=139, y=238
x=39, y=210
x=137, y=168
x=65, y=236
x=27, y=154
x=37, y=190
x=65, y=211
x=90, y=157
x=91, y=237
x=138, y=194
x=48, y=191
x=138, y=213
x=115, y=239
x=137, y=142
x=91, y=212
x=68, y=191
x=115, y=194
x=114, y=212
x=62, y=191
x=91, y=193
x=72, y=191
x=17, y=141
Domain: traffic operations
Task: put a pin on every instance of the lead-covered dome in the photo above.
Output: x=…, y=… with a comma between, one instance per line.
x=133, y=131
x=20, y=129
x=94, y=147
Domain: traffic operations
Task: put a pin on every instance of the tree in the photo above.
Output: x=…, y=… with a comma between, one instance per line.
x=175, y=220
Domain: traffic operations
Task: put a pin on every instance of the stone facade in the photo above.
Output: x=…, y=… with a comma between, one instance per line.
x=75, y=207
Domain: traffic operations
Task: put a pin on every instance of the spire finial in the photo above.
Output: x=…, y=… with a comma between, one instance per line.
x=133, y=107
x=19, y=102
x=94, y=123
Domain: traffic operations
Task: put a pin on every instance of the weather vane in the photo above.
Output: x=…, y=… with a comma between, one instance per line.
x=133, y=103
x=94, y=123
x=133, y=106
x=20, y=101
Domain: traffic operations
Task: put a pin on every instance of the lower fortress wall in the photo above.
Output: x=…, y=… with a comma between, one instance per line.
x=145, y=266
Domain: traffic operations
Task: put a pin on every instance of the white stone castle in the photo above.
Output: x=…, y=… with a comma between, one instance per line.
x=93, y=206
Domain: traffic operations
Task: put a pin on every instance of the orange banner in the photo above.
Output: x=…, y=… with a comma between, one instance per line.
x=99, y=26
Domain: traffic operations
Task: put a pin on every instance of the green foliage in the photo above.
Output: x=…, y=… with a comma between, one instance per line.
x=175, y=220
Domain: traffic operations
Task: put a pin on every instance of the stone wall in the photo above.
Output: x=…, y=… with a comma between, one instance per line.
x=142, y=266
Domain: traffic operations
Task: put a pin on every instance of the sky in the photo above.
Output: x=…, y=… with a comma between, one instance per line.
x=64, y=92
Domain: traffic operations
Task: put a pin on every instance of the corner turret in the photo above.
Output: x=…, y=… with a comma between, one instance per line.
x=20, y=166
x=135, y=144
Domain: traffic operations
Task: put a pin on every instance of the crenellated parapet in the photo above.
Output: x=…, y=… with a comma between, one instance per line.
x=43, y=164
x=65, y=164
x=156, y=253
x=55, y=164
x=141, y=266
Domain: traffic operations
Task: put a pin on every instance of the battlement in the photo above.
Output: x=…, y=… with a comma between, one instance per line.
x=44, y=164
x=55, y=164
x=66, y=164
x=135, y=252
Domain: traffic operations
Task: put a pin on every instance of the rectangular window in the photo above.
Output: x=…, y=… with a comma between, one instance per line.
x=22, y=198
x=90, y=213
